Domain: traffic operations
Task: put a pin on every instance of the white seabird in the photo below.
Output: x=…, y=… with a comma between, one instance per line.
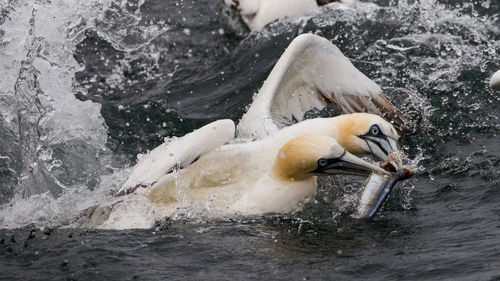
x=273, y=175
x=495, y=81
x=257, y=13
x=358, y=133
x=311, y=73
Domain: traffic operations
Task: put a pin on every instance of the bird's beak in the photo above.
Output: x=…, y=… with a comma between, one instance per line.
x=347, y=164
x=381, y=147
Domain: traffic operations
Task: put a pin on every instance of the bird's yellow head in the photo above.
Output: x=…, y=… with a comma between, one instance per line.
x=310, y=155
x=364, y=133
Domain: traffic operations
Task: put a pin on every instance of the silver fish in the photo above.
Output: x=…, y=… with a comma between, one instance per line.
x=378, y=187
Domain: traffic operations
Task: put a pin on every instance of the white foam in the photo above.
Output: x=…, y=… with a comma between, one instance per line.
x=61, y=140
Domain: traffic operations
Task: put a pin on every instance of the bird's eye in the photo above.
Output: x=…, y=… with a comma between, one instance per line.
x=322, y=162
x=374, y=130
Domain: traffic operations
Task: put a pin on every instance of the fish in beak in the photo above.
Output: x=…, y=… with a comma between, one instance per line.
x=376, y=191
x=378, y=187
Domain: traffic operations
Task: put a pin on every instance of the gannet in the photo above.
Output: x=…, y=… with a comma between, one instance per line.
x=312, y=73
x=292, y=179
x=272, y=175
x=257, y=13
x=495, y=81
x=357, y=133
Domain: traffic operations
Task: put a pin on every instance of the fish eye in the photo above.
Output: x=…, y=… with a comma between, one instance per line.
x=322, y=162
x=374, y=130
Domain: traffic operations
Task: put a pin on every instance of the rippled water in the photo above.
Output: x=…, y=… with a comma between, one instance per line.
x=86, y=85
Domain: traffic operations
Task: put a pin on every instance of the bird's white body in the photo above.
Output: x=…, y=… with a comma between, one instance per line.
x=257, y=13
x=272, y=195
x=495, y=81
x=238, y=178
x=270, y=10
x=233, y=179
x=178, y=153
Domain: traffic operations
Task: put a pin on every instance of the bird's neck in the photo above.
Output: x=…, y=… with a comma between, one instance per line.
x=274, y=195
x=287, y=174
x=343, y=130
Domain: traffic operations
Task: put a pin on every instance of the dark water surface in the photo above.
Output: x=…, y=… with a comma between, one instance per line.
x=82, y=98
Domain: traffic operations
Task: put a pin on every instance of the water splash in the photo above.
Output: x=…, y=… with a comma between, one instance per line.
x=122, y=25
x=54, y=144
x=52, y=140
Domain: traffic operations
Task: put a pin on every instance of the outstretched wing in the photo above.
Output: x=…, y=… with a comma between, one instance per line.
x=312, y=73
x=177, y=153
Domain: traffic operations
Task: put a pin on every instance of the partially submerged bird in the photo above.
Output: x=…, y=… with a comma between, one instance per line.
x=257, y=13
x=311, y=74
x=273, y=175
x=198, y=167
x=495, y=81
x=357, y=133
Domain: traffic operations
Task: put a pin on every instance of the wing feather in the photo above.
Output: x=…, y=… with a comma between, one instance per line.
x=312, y=73
x=177, y=153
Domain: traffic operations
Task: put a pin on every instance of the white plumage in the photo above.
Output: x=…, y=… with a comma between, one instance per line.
x=495, y=81
x=257, y=13
x=311, y=73
x=234, y=179
x=198, y=167
x=177, y=153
